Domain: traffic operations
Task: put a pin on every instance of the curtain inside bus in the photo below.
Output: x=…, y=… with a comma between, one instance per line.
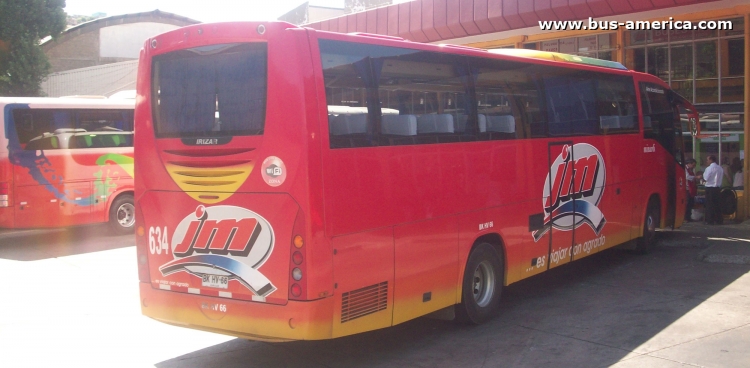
x=212, y=91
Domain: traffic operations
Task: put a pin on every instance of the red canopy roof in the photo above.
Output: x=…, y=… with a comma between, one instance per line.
x=437, y=20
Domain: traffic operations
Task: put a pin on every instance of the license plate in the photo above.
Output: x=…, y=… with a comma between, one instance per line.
x=215, y=281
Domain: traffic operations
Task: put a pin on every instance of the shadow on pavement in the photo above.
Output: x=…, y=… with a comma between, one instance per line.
x=593, y=312
x=34, y=245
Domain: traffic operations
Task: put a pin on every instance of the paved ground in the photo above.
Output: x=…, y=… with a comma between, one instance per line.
x=74, y=303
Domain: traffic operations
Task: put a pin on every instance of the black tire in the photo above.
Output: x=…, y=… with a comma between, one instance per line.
x=122, y=215
x=647, y=242
x=482, y=285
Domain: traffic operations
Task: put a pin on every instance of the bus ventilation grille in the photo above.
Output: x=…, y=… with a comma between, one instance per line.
x=364, y=301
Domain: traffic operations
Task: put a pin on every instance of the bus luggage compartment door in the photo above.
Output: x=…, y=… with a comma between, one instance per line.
x=363, y=281
x=559, y=203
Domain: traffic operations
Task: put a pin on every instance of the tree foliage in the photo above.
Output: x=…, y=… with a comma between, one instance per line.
x=23, y=23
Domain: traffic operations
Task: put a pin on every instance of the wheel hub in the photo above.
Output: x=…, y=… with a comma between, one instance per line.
x=126, y=215
x=483, y=283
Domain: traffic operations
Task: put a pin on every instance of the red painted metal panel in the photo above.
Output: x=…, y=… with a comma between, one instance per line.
x=415, y=21
x=467, y=17
x=580, y=8
x=342, y=24
x=527, y=14
x=351, y=23
x=620, y=6
x=686, y=2
x=639, y=5
x=382, y=19
x=441, y=19
x=403, y=21
x=324, y=25
x=599, y=7
x=453, y=13
x=511, y=15
x=425, y=254
x=495, y=15
x=543, y=9
x=663, y=3
x=333, y=25
x=428, y=21
x=372, y=21
x=392, y=20
x=562, y=10
x=481, y=17
x=361, y=21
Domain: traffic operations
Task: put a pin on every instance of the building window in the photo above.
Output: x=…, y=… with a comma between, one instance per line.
x=704, y=66
x=595, y=46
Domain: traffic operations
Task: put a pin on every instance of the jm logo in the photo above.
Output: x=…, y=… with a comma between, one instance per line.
x=227, y=236
x=573, y=189
x=224, y=241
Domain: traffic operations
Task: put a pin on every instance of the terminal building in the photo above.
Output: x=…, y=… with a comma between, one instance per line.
x=709, y=67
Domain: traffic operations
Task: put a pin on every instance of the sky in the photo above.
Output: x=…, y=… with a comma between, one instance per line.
x=204, y=11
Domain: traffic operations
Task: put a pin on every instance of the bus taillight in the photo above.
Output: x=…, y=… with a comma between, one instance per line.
x=4, y=192
x=297, y=262
x=141, y=248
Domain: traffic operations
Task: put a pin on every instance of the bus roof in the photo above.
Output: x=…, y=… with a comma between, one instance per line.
x=556, y=56
x=57, y=102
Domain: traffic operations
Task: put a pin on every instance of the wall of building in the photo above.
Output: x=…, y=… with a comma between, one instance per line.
x=126, y=40
x=100, y=80
x=108, y=40
x=78, y=52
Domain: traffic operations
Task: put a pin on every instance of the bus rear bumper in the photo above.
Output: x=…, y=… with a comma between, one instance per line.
x=250, y=320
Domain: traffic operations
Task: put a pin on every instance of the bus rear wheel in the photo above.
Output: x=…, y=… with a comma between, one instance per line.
x=647, y=242
x=482, y=285
x=122, y=214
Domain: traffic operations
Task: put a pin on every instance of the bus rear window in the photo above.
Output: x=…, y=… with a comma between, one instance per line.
x=210, y=91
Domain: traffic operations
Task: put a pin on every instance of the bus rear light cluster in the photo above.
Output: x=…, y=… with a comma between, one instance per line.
x=141, y=248
x=297, y=262
x=4, y=192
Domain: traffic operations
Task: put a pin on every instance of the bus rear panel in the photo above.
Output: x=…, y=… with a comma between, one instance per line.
x=225, y=241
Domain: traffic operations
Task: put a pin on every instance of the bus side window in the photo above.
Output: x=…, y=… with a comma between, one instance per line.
x=616, y=104
x=103, y=129
x=571, y=104
x=508, y=100
x=350, y=122
x=433, y=88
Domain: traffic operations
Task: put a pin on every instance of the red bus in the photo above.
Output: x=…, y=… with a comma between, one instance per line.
x=65, y=162
x=295, y=184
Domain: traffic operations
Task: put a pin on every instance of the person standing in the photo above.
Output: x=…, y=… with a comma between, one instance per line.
x=692, y=188
x=713, y=176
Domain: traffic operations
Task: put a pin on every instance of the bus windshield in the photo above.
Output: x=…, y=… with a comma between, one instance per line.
x=210, y=91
